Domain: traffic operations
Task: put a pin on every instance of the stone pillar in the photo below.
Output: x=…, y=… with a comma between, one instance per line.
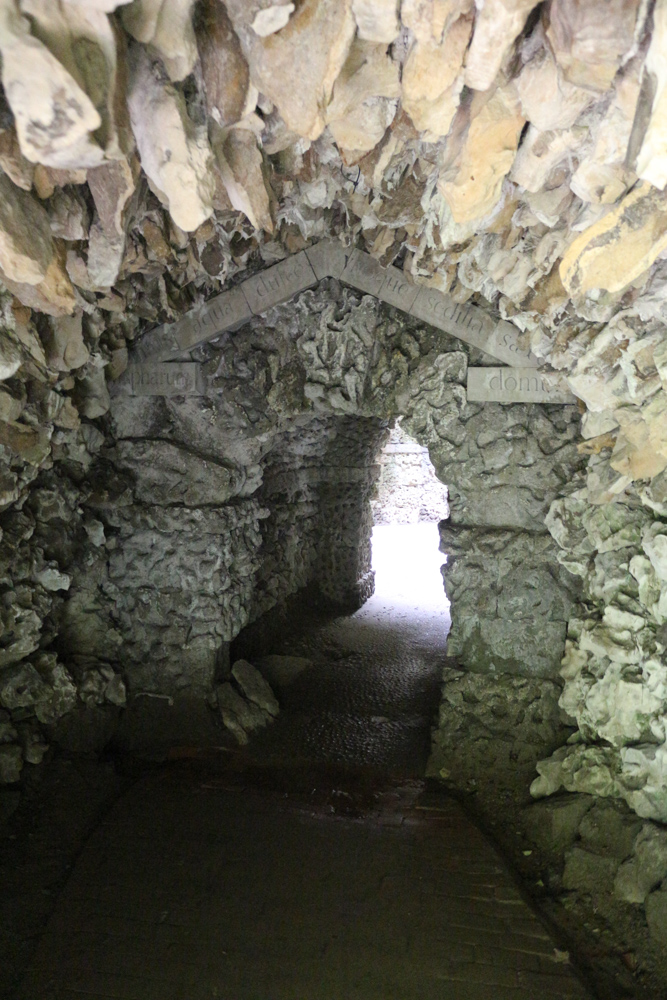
x=511, y=598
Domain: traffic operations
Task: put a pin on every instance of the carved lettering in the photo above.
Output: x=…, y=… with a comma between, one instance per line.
x=364, y=272
x=279, y=283
x=163, y=379
x=516, y=385
x=397, y=290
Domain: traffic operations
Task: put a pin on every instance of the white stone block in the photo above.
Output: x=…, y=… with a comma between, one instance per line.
x=278, y=283
x=516, y=385
x=327, y=258
x=163, y=379
x=363, y=272
x=508, y=344
x=226, y=311
x=397, y=290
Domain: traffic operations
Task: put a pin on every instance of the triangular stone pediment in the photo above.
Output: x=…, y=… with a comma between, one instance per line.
x=156, y=370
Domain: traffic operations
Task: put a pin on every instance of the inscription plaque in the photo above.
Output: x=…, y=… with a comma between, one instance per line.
x=224, y=312
x=363, y=272
x=517, y=385
x=276, y=284
x=156, y=345
x=327, y=258
x=157, y=379
x=505, y=344
x=397, y=290
x=279, y=283
x=472, y=325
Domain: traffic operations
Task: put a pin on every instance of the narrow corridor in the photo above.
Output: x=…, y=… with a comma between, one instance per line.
x=313, y=864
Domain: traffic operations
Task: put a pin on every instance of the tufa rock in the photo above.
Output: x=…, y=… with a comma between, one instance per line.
x=652, y=159
x=26, y=244
x=591, y=40
x=364, y=99
x=322, y=28
x=646, y=868
x=240, y=162
x=254, y=687
x=497, y=25
x=238, y=715
x=590, y=873
x=166, y=26
x=433, y=78
x=175, y=154
x=377, y=20
x=485, y=157
x=55, y=118
x=228, y=92
x=614, y=251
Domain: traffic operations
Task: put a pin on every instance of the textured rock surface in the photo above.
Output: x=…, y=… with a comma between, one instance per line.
x=151, y=161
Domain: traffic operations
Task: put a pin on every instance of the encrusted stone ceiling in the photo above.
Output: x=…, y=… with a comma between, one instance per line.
x=511, y=152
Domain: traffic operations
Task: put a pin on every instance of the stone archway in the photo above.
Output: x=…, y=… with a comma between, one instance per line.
x=271, y=451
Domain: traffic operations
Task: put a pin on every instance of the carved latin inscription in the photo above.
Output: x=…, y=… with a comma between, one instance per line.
x=171, y=379
x=279, y=283
x=516, y=385
x=363, y=272
x=397, y=290
x=472, y=325
x=225, y=312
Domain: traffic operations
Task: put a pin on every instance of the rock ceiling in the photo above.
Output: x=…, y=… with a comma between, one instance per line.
x=511, y=155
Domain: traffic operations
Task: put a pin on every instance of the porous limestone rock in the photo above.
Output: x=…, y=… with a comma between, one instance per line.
x=433, y=74
x=55, y=118
x=322, y=28
x=615, y=251
x=646, y=868
x=229, y=94
x=241, y=166
x=175, y=154
x=656, y=916
x=239, y=715
x=377, y=20
x=588, y=872
x=485, y=157
x=590, y=41
x=497, y=25
x=254, y=687
x=548, y=100
x=652, y=158
x=26, y=246
x=364, y=99
x=166, y=26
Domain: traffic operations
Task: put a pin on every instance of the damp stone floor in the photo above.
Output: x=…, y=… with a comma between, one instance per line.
x=315, y=864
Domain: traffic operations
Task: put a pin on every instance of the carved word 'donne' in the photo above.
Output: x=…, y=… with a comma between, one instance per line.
x=284, y=280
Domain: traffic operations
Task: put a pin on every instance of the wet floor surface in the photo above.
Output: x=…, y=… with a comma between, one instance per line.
x=312, y=865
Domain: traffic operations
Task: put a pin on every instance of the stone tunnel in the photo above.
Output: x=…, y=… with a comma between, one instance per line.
x=244, y=244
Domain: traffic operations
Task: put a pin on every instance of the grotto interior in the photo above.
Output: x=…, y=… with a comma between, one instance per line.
x=272, y=272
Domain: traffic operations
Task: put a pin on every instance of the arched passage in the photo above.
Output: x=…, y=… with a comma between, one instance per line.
x=259, y=486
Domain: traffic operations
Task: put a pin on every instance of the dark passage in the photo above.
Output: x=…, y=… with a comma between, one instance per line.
x=312, y=864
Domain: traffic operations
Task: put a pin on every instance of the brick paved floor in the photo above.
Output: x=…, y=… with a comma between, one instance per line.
x=197, y=887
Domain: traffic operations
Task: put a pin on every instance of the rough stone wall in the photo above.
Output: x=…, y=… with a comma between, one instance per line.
x=614, y=669
x=512, y=598
x=199, y=513
x=408, y=489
